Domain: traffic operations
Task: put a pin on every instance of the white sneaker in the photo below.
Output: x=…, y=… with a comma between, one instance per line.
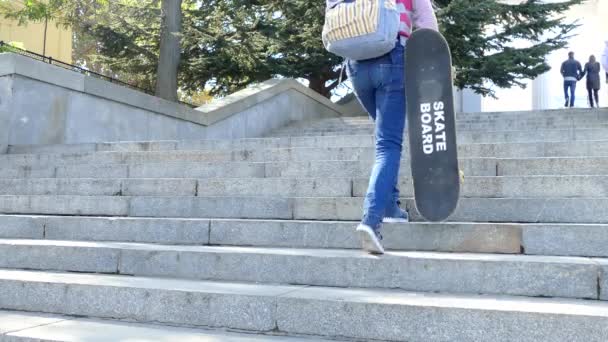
x=370, y=240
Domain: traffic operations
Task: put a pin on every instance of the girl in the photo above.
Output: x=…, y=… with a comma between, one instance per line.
x=592, y=70
x=379, y=86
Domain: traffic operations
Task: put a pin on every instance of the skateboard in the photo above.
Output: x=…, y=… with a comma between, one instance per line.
x=432, y=125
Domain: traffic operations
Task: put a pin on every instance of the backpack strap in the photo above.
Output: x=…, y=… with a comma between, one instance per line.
x=406, y=18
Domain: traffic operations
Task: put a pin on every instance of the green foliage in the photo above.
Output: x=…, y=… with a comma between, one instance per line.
x=11, y=47
x=232, y=43
x=30, y=10
x=225, y=47
x=118, y=38
x=228, y=44
x=484, y=37
x=296, y=41
x=63, y=11
x=122, y=39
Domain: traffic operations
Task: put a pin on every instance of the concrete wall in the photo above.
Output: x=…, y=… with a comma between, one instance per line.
x=465, y=101
x=43, y=113
x=5, y=112
x=45, y=104
x=351, y=104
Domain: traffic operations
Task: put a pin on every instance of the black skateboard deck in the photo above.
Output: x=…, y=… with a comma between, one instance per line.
x=431, y=125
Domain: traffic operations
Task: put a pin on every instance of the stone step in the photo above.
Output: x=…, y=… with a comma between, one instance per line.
x=514, y=186
x=316, y=187
x=525, y=210
x=312, y=169
x=579, y=113
x=552, y=166
x=551, y=113
x=516, y=150
x=555, y=117
x=264, y=155
x=366, y=140
x=461, y=129
x=481, y=136
x=307, y=169
x=592, y=166
x=465, y=237
x=128, y=157
x=553, y=135
x=512, y=124
x=519, y=275
x=531, y=210
x=476, y=187
x=561, y=112
x=502, y=150
x=307, y=310
x=512, y=238
x=545, y=117
x=18, y=326
x=460, y=118
x=530, y=150
x=164, y=170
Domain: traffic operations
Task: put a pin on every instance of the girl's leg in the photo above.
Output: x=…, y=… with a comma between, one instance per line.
x=390, y=125
x=358, y=74
x=597, y=97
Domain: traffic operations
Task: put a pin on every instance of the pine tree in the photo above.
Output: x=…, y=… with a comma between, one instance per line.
x=483, y=37
x=238, y=42
x=296, y=41
x=228, y=44
x=121, y=38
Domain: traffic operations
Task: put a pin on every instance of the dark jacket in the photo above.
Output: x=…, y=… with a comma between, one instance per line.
x=592, y=70
x=572, y=70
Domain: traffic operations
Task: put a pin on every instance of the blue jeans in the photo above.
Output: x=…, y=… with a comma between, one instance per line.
x=572, y=86
x=380, y=87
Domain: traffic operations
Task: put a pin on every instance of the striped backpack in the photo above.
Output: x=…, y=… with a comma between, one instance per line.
x=361, y=29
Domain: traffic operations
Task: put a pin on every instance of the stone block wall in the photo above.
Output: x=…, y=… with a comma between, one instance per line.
x=45, y=104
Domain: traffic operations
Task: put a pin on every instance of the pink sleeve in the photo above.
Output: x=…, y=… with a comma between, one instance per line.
x=424, y=15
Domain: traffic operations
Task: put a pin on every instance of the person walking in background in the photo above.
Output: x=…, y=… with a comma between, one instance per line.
x=571, y=71
x=592, y=70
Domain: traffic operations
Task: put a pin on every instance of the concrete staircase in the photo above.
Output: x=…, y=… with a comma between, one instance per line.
x=252, y=240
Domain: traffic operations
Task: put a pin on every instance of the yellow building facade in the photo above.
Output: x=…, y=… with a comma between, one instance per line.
x=31, y=35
